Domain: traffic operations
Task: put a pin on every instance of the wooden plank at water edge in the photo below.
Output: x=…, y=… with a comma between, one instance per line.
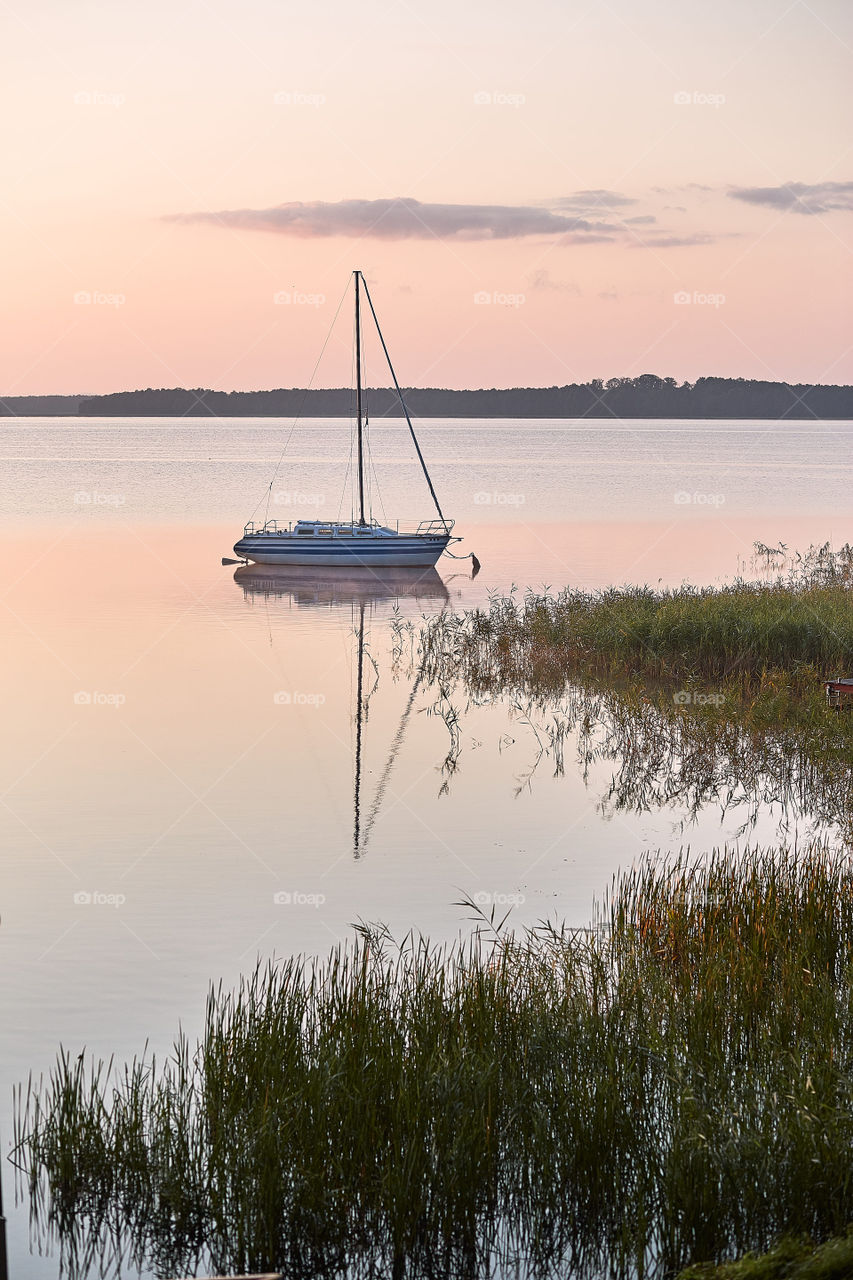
x=267, y=1275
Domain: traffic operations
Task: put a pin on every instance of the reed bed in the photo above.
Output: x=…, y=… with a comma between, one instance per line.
x=697, y=696
x=669, y=1087
x=800, y=622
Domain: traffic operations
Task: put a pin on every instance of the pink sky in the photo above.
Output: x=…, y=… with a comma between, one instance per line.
x=576, y=167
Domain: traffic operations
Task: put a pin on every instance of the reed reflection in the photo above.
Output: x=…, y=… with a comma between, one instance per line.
x=665, y=756
x=733, y=755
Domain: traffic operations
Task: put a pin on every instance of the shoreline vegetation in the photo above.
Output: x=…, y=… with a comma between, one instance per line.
x=790, y=1259
x=797, y=625
x=649, y=1097
x=647, y=396
x=692, y=696
x=669, y=1087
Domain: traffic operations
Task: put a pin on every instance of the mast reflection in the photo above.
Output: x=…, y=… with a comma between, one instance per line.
x=318, y=588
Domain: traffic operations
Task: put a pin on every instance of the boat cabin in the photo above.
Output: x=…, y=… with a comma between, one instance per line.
x=345, y=529
x=318, y=529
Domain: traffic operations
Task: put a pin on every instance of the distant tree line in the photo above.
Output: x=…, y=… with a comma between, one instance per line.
x=647, y=396
x=32, y=406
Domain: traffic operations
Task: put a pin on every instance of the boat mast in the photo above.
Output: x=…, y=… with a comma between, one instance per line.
x=361, y=519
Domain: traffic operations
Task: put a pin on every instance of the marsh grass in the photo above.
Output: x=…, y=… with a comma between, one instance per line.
x=790, y=1259
x=696, y=696
x=671, y=1086
x=801, y=623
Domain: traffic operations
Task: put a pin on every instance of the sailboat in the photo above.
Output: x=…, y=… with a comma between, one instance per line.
x=360, y=542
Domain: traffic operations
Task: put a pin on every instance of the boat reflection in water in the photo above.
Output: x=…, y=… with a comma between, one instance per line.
x=308, y=586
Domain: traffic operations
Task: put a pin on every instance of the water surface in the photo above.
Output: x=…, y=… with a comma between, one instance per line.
x=179, y=761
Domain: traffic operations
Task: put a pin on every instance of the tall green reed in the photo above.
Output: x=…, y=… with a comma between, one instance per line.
x=802, y=622
x=672, y=1085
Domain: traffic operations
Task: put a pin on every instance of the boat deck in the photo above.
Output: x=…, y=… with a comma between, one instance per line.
x=334, y=543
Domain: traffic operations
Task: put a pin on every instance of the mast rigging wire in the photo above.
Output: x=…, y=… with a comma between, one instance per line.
x=299, y=410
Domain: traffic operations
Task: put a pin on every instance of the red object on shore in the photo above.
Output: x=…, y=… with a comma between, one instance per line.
x=839, y=694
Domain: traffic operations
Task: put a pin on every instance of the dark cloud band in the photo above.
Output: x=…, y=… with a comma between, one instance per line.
x=405, y=219
x=800, y=197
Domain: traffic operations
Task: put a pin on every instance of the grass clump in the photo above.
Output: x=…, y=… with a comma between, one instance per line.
x=790, y=1259
x=801, y=622
x=671, y=1086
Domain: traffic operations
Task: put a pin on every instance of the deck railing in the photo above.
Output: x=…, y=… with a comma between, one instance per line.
x=435, y=526
x=426, y=528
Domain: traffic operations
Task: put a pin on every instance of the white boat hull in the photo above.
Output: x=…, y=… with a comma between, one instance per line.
x=396, y=552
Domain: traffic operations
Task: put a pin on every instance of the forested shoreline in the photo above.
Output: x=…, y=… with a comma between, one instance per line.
x=647, y=396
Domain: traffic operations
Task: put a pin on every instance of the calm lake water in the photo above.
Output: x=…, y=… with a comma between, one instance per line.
x=178, y=761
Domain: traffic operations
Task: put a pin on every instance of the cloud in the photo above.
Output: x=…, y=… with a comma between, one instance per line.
x=583, y=238
x=568, y=221
x=800, y=197
x=405, y=219
x=663, y=240
x=683, y=186
x=597, y=198
x=540, y=279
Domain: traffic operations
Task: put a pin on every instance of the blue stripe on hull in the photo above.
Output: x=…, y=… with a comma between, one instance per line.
x=396, y=552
